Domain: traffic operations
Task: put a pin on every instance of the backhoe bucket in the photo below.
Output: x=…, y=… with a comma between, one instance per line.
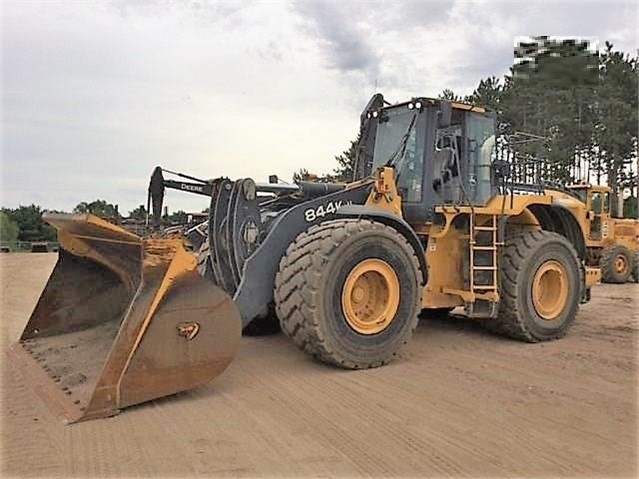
x=123, y=320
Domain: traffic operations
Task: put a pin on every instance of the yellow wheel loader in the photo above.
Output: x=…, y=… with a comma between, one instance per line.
x=431, y=221
x=611, y=243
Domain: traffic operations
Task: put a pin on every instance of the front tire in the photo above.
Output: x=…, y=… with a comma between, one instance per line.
x=348, y=292
x=541, y=280
x=616, y=264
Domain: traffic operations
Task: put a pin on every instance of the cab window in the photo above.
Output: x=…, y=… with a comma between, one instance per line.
x=596, y=201
x=606, y=203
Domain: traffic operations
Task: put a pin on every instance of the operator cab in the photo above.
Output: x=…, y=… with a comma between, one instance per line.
x=441, y=152
x=597, y=201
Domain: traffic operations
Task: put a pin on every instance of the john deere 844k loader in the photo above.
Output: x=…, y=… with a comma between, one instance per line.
x=431, y=221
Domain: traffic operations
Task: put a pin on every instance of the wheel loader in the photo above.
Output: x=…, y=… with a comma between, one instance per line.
x=432, y=221
x=611, y=243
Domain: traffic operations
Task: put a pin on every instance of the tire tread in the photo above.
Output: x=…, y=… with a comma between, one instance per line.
x=511, y=322
x=607, y=264
x=299, y=280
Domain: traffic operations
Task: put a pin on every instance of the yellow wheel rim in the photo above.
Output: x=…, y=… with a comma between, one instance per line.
x=620, y=264
x=550, y=290
x=370, y=296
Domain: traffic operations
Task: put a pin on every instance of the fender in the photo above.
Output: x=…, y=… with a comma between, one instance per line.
x=558, y=218
x=255, y=290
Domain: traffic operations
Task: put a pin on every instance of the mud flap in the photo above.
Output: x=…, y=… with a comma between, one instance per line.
x=122, y=320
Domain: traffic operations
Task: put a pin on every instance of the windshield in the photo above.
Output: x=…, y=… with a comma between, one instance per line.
x=391, y=137
x=581, y=193
x=397, y=142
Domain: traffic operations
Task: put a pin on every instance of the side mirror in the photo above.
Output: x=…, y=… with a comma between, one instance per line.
x=445, y=114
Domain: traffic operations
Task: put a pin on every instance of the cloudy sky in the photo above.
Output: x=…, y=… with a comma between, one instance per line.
x=96, y=94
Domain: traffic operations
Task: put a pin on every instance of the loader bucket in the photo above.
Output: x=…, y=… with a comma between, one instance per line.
x=122, y=320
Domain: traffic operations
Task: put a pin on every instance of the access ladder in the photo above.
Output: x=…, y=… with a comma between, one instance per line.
x=484, y=265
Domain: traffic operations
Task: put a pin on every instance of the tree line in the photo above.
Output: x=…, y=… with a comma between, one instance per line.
x=25, y=223
x=574, y=108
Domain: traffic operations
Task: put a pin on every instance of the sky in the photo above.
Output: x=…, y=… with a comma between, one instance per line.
x=95, y=94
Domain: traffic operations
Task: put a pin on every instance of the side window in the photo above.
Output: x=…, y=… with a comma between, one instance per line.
x=480, y=133
x=606, y=203
x=446, y=162
x=582, y=195
x=596, y=203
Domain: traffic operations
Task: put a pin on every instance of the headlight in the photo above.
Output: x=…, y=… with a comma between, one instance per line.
x=411, y=105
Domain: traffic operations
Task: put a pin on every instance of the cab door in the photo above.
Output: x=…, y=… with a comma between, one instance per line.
x=599, y=215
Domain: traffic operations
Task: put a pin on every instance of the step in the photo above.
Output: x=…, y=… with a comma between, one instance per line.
x=484, y=248
x=484, y=268
x=484, y=287
x=485, y=228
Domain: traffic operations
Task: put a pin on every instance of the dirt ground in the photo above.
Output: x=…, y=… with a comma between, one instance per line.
x=459, y=402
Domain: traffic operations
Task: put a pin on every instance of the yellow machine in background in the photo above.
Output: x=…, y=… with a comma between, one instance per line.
x=611, y=243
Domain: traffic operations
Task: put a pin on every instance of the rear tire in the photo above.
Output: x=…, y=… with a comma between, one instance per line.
x=313, y=296
x=616, y=264
x=635, y=266
x=541, y=280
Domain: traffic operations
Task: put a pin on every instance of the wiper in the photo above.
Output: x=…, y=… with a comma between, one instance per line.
x=401, y=148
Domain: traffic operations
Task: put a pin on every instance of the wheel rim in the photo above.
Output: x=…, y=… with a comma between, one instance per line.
x=620, y=264
x=370, y=296
x=550, y=290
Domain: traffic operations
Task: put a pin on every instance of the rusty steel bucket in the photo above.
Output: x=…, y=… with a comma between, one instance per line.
x=122, y=320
